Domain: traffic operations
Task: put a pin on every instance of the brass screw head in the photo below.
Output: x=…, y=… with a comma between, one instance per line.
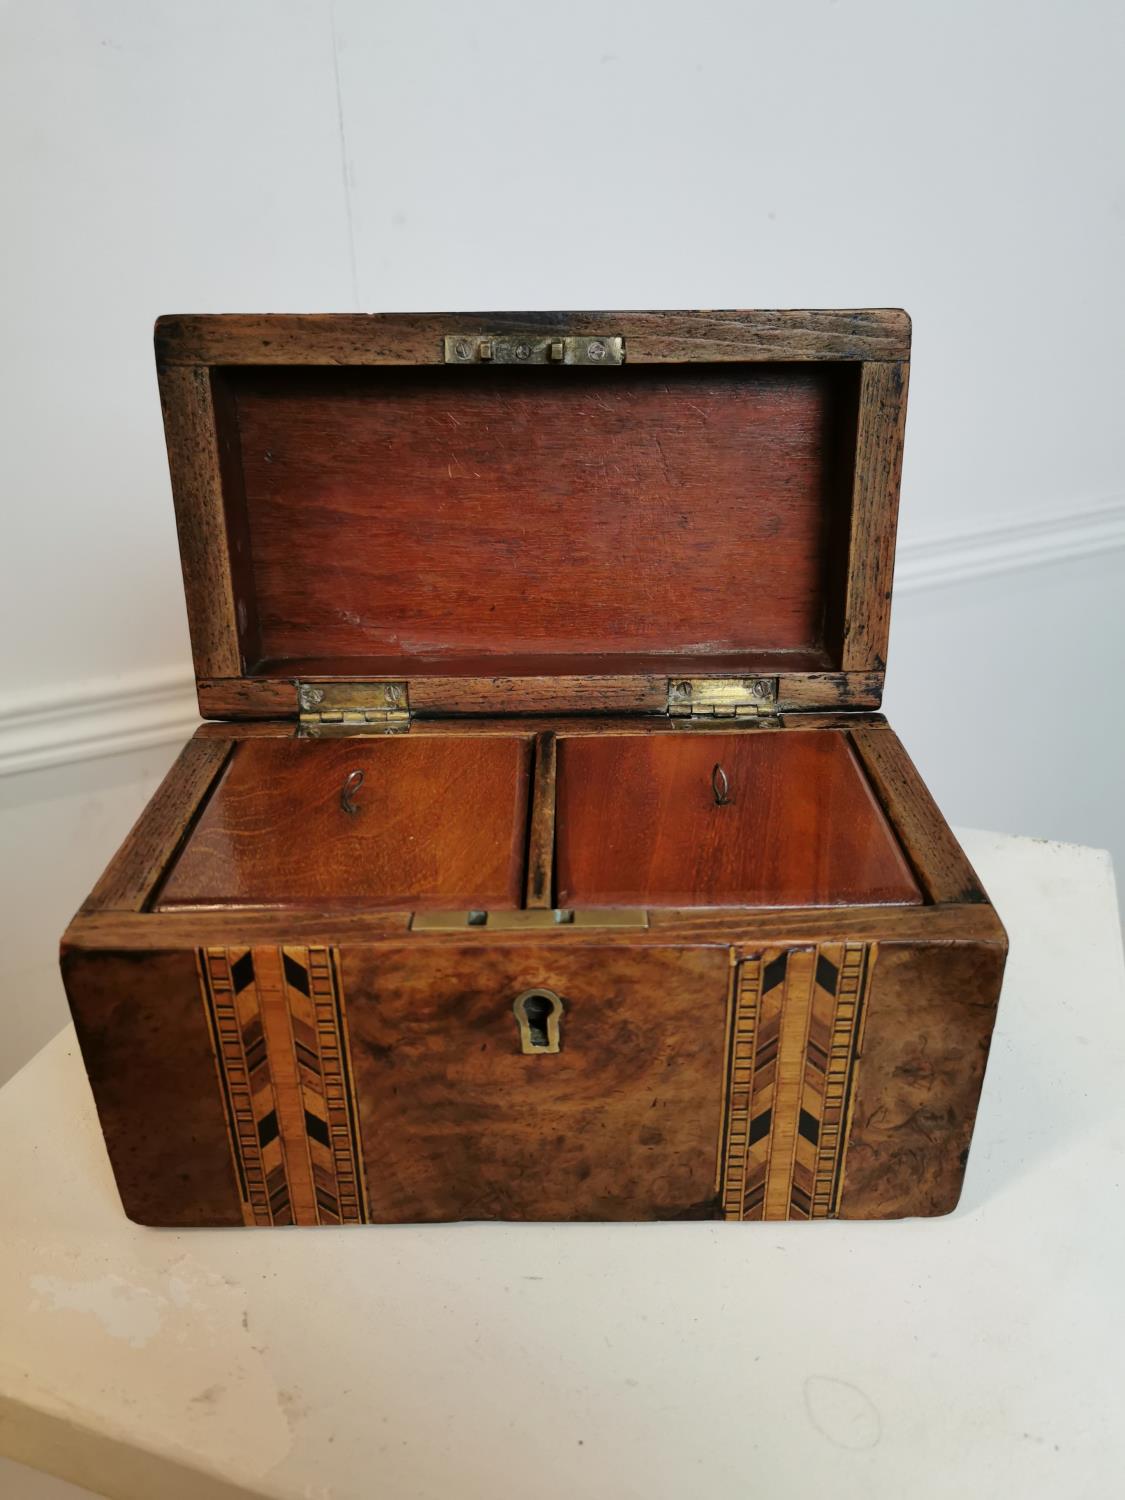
x=464, y=349
x=595, y=349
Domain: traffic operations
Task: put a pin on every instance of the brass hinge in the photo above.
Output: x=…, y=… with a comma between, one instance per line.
x=326, y=708
x=528, y=349
x=722, y=698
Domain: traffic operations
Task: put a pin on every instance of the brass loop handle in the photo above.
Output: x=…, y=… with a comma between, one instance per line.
x=720, y=786
x=352, y=783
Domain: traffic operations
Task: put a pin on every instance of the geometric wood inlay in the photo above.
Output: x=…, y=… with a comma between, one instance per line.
x=279, y=1033
x=230, y=998
x=796, y=1028
x=320, y=1046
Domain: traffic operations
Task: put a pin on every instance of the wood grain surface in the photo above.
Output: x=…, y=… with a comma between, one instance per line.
x=945, y=871
x=726, y=499
x=418, y=338
x=929, y=1023
x=136, y=931
x=874, y=516
x=540, y=882
x=415, y=515
x=387, y=1081
x=438, y=823
x=202, y=492
x=593, y=723
x=127, y=882
x=638, y=825
x=146, y=1047
x=457, y=1123
x=542, y=685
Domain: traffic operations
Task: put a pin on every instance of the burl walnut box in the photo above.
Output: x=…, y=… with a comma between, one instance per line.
x=543, y=855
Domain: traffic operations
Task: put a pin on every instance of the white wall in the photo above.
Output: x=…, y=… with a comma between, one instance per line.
x=964, y=161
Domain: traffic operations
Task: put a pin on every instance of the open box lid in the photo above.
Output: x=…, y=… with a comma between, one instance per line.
x=538, y=512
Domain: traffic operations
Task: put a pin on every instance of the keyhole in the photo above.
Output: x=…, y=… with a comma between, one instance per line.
x=537, y=1009
x=538, y=1013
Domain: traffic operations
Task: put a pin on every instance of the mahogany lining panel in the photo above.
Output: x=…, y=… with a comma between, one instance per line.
x=438, y=823
x=414, y=517
x=637, y=823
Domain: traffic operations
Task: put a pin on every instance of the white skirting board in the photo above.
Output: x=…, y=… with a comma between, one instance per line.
x=101, y=716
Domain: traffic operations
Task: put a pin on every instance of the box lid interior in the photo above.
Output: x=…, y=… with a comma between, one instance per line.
x=730, y=511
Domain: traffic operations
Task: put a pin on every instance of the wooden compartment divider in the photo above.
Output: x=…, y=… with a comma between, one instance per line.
x=540, y=886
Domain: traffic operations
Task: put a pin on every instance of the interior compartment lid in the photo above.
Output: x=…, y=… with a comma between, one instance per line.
x=489, y=510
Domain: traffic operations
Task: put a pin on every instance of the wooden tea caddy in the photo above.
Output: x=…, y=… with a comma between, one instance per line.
x=544, y=855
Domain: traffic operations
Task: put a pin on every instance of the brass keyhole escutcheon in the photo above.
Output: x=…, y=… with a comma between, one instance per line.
x=538, y=1013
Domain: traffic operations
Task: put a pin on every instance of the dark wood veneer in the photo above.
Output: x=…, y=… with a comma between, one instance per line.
x=464, y=1126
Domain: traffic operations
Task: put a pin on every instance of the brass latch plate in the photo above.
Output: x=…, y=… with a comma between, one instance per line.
x=347, y=707
x=528, y=349
x=722, y=697
x=533, y=919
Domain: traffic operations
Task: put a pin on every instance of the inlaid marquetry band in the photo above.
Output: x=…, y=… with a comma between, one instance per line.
x=281, y=1052
x=796, y=1027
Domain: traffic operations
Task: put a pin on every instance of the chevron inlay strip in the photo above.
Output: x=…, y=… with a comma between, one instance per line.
x=273, y=1002
x=281, y=1051
x=796, y=1026
x=793, y=1034
x=321, y=1050
x=230, y=998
